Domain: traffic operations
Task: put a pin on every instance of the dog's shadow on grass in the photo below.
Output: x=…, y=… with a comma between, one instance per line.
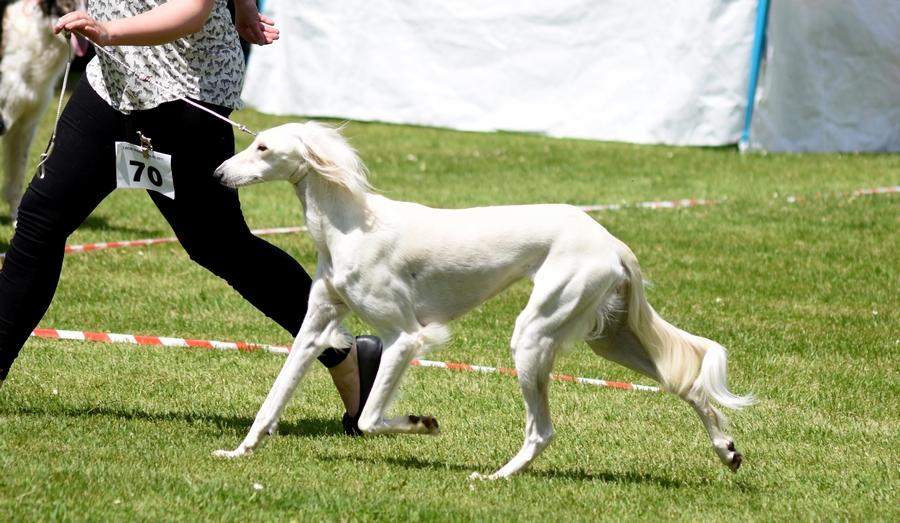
x=574, y=475
x=407, y=463
x=236, y=426
x=580, y=475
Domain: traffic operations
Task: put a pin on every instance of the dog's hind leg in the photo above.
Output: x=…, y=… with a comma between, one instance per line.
x=321, y=329
x=559, y=310
x=398, y=354
x=713, y=421
x=618, y=344
x=533, y=366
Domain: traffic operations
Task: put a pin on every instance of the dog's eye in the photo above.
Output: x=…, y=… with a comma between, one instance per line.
x=262, y=148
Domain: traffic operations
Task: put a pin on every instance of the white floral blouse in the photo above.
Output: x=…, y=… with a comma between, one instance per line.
x=207, y=66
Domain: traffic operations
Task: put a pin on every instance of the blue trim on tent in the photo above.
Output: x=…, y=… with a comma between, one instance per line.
x=762, y=16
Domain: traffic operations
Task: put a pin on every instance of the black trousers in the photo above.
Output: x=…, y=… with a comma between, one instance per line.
x=204, y=214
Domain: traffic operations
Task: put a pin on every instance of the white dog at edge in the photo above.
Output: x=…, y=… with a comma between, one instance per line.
x=32, y=59
x=407, y=270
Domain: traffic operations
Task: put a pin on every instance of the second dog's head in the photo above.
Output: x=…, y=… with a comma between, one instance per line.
x=290, y=152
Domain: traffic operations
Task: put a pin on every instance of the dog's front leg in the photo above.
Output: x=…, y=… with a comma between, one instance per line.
x=321, y=329
x=398, y=354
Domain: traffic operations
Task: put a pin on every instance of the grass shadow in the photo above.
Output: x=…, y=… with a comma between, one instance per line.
x=94, y=223
x=576, y=475
x=407, y=463
x=237, y=426
x=233, y=425
x=100, y=223
x=634, y=478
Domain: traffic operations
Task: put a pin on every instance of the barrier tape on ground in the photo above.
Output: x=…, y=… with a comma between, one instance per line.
x=861, y=192
x=137, y=243
x=276, y=349
x=561, y=377
x=660, y=204
x=663, y=204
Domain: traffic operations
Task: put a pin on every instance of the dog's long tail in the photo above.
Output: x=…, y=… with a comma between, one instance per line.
x=682, y=360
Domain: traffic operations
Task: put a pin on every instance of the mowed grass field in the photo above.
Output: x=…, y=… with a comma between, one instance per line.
x=803, y=293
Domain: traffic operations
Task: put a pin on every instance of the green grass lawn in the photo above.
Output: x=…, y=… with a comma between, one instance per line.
x=804, y=295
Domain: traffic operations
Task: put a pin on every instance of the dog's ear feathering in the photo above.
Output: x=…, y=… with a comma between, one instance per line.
x=326, y=151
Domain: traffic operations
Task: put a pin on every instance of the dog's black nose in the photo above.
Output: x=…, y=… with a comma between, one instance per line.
x=218, y=174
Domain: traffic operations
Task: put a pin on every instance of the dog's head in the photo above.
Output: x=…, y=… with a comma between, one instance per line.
x=275, y=154
x=291, y=152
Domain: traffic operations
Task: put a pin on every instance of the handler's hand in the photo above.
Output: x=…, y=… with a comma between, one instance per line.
x=253, y=25
x=82, y=23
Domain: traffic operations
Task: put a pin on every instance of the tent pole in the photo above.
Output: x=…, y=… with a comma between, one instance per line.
x=762, y=15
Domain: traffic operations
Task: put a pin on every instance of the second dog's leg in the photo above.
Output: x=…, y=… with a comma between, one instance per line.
x=16, y=143
x=320, y=330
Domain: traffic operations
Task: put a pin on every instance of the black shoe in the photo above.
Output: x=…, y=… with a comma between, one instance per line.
x=368, y=352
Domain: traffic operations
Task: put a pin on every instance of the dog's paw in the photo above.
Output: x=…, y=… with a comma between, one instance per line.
x=228, y=454
x=425, y=425
x=480, y=477
x=730, y=456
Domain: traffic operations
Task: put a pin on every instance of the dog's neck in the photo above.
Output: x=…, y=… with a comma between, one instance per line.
x=329, y=210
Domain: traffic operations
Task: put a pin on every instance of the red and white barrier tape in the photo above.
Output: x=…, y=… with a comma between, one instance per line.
x=861, y=192
x=662, y=204
x=221, y=345
x=562, y=377
x=155, y=340
x=137, y=243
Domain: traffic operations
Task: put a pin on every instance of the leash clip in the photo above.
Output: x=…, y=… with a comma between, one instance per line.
x=146, y=146
x=45, y=156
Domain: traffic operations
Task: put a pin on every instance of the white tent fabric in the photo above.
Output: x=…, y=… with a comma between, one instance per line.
x=832, y=77
x=643, y=71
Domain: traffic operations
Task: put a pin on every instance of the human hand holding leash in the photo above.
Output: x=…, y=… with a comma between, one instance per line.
x=160, y=25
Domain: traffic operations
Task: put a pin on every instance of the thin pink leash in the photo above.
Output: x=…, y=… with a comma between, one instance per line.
x=144, y=78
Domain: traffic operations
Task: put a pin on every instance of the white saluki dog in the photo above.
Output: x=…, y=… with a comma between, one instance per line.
x=32, y=59
x=408, y=270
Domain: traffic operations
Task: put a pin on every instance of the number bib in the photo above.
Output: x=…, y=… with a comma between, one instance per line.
x=134, y=171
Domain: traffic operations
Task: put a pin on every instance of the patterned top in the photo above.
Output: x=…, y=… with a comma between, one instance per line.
x=207, y=66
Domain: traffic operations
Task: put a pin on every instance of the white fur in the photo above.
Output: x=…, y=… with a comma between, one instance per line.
x=408, y=270
x=32, y=60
